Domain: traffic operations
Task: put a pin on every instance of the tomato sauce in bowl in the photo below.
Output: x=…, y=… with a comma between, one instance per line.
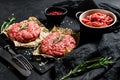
x=55, y=13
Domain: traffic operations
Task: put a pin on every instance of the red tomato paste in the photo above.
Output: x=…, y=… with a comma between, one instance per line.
x=55, y=13
x=97, y=20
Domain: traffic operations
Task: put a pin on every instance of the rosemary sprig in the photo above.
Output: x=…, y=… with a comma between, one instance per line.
x=3, y=25
x=23, y=26
x=7, y=23
x=58, y=39
x=10, y=22
x=87, y=65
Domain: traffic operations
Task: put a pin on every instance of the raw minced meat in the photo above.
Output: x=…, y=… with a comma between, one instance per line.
x=56, y=44
x=98, y=20
x=24, y=32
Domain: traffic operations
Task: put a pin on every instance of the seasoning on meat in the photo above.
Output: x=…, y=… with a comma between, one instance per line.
x=24, y=32
x=56, y=44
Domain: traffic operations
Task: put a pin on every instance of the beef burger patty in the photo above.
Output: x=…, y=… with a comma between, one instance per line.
x=57, y=44
x=24, y=32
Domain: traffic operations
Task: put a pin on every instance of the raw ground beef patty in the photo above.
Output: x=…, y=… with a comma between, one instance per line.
x=56, y=44
x=24, y=31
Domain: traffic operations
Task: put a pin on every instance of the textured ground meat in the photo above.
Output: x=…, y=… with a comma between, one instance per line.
x=26, y=34
x=98, y=20
x=57, y=49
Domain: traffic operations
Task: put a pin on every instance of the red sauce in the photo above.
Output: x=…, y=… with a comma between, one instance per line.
x=55, y=13
x=98, y=20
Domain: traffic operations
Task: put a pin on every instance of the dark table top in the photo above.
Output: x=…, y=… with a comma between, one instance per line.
x=22, y=9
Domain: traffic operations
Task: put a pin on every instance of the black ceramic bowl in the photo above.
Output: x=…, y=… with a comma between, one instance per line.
x=55, y=15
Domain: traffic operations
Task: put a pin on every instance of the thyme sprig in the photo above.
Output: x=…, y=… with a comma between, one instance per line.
x=23, y=26
x=87, y=65
x=58, y=39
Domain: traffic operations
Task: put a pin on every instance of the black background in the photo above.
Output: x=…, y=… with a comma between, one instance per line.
x=22, y=9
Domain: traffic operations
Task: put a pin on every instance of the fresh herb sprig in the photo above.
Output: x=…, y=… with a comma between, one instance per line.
x=7, y=23
x=23, y=26
x=87, y=65
x=58, y=39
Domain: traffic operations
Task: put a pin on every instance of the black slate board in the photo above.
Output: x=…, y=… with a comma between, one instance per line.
x=44, y=64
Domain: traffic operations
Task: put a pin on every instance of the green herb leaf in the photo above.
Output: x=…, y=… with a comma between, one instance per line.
x=91, y=64
x=7, y=23
x=23, y=26
x=3, y=26
x=58, y=39
x=11, y=20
